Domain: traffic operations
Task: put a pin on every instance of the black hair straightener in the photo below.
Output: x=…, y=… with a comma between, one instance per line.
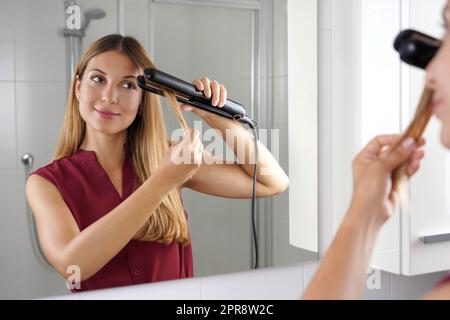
x=155, y=80
x=416, y=48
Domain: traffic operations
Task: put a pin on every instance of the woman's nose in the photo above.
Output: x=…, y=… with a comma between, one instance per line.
x=109, y=95
x=430, y=79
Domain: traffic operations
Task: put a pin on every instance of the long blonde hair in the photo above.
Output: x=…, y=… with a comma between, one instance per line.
x=146, y=136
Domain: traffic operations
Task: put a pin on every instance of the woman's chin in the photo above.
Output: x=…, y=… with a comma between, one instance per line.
x=104, y=128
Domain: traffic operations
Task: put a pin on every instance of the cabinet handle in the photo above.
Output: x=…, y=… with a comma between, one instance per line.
x=435, y=238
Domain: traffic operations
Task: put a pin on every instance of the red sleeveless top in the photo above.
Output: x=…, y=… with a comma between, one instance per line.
x=89, y=194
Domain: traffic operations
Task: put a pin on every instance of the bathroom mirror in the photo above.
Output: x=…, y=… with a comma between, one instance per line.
x=242, y=44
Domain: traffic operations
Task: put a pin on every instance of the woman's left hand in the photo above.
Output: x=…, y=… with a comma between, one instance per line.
x=213, y=89
x=372, y=173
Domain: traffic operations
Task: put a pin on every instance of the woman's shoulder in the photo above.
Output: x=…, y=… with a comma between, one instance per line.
x=55, y=167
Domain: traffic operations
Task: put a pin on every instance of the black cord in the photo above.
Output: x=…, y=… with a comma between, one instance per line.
x=252, y=124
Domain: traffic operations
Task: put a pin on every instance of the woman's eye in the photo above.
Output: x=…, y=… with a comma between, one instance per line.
x=129, y=85
x=97, y=77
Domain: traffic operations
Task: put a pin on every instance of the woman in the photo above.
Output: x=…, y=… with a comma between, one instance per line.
x=109, y=205
x=342, y=273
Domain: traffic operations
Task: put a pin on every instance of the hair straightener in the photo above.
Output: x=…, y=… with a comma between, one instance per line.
x=416, y=48
x=155, y=81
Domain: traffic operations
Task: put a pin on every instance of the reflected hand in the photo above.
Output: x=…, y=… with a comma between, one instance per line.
x=372, y=170
x=209, y=88
x=182, y=160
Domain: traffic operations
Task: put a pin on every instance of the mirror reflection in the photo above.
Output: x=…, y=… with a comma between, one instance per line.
x=106, y=203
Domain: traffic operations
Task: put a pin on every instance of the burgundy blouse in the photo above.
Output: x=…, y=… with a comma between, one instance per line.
x=89, y=194
x=443, y=281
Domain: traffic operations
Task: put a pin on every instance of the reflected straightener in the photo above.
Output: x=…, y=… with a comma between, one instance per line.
x=155, y=80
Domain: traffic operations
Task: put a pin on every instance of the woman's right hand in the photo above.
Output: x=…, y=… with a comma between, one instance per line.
x=372, y=170
x=182, y=160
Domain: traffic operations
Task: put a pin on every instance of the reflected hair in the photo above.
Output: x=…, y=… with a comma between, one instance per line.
x=147, y=137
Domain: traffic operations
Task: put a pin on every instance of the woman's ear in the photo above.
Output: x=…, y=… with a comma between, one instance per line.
x=77, y=87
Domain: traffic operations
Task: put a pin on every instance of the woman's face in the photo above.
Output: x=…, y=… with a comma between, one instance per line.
x=438, y=79
x=108, y=94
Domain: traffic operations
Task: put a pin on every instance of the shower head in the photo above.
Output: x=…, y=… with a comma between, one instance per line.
x=92, y=14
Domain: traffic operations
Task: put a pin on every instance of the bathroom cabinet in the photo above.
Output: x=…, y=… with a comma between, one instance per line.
x=416, y=240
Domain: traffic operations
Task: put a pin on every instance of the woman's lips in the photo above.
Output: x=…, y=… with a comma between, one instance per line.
x=437, y=104
x=106, y=115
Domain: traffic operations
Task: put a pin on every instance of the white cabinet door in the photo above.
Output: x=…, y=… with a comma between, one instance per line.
x=390, y=91
x=429, y=212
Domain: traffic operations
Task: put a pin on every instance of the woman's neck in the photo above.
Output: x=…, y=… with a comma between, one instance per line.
x=109, y=150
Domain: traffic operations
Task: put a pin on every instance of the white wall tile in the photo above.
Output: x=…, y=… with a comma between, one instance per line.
x=269, y=283
x=280, y=152
x=99, y=27
x=136, y=21
x=37, y=280
x=215, y=52
x=23, y=215
x=39, y=47
x=280, y=38
x=280, y=100
x=9, y=276
x=7, y=42
x=281, y=206
x=239, y=91
x=40, y=111
x=7, y=126
x=211, y=218
x=8, y=213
